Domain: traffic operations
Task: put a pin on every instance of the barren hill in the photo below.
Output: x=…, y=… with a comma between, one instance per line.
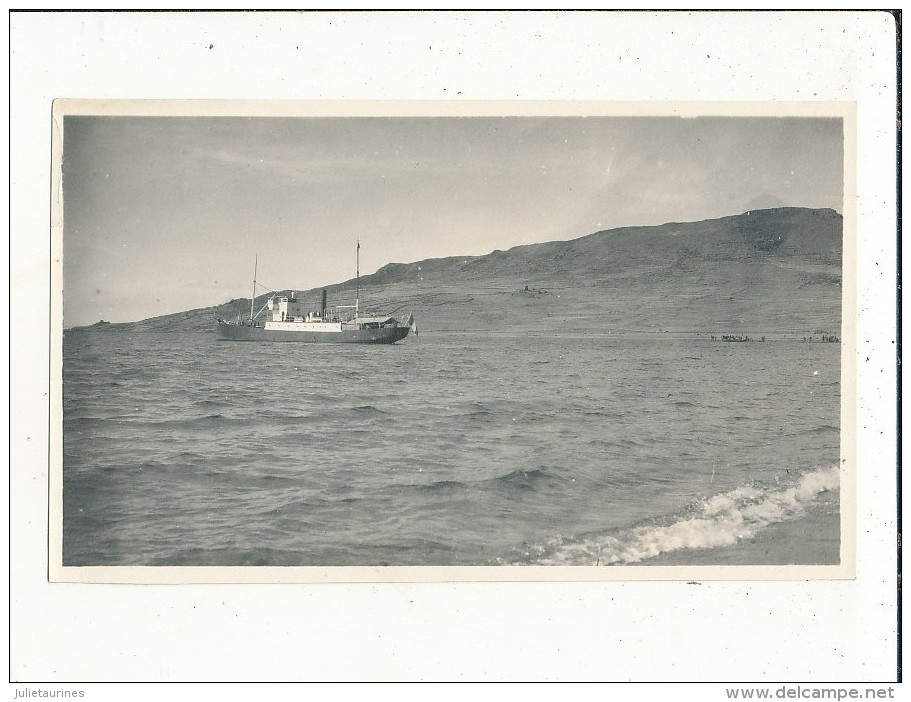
x=775, y=271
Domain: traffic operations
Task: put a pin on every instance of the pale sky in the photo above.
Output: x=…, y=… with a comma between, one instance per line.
x=164, y=214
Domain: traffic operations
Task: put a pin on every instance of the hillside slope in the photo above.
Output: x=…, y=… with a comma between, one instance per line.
x=776, y=271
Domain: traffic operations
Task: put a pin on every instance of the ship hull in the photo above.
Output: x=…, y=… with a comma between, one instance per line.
x=239, y=332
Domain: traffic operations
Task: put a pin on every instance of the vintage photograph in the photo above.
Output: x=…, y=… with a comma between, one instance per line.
x=504, y=337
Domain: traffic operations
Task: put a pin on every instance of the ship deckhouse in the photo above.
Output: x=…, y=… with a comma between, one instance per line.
x=289, y=309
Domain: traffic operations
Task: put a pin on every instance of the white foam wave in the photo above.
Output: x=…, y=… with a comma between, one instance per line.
x=722, y=520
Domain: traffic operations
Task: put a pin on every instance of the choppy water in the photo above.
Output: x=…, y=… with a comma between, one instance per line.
x=446, y=449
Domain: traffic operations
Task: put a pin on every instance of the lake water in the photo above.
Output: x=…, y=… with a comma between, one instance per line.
x=446, y=449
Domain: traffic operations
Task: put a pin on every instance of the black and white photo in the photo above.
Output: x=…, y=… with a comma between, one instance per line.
x=630, y=346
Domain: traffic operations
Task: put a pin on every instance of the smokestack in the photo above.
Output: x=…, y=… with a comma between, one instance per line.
x=323, y=306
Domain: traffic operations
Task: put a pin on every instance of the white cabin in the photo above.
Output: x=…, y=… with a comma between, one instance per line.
x=289, y=309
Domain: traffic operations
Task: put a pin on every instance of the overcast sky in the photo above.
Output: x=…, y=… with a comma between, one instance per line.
x=163, y=214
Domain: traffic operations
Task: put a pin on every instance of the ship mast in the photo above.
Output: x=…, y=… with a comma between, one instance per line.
x=253, y=295
x=357, y=294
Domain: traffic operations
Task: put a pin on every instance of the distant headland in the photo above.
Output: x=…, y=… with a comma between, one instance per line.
x=772, y=271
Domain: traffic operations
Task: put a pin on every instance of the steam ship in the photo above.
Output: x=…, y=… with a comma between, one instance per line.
x=288, y=321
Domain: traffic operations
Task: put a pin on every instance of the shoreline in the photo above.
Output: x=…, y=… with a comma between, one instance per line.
x=813, y=538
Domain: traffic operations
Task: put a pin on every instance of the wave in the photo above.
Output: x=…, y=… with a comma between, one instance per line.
x=226, y=556
x=74, y=421
x=523, y=479
x=515, y=480
x=604, y=413
x=277, y=417
x=443, y=486
x=719, y=521
x=81, y=422
x=208, y=403
x=209, y=420
x=476, y=410
x=367, y=409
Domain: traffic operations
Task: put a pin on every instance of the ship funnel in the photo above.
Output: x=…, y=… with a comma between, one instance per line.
x=323, y=305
